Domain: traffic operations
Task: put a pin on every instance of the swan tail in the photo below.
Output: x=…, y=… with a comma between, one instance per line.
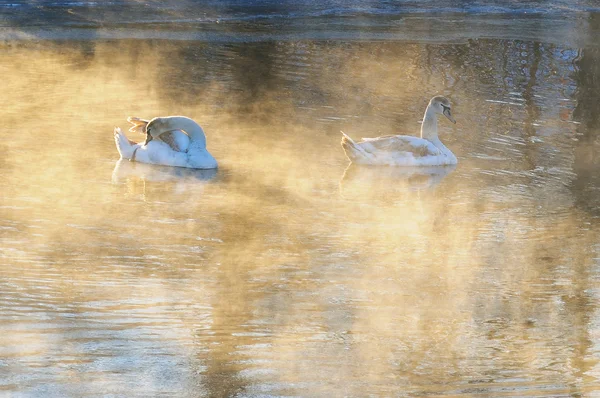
x=125, y=146
x=354, y=152
x=139, y=125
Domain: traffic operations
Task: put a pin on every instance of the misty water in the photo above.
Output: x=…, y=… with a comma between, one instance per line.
x=286, y=272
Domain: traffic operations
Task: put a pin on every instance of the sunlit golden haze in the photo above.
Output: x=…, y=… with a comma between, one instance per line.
x=284, y=272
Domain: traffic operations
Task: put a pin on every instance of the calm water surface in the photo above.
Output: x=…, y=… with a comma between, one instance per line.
x=285, y=272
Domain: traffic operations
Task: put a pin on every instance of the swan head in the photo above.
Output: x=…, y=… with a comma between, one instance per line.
x=441, y=104
x=156, y=127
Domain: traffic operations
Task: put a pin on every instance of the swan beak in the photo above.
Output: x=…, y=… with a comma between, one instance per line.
x=449, y=115
x=148, y=139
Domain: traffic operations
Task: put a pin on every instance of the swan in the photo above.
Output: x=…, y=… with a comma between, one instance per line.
x=171, y=151
x=404, y=150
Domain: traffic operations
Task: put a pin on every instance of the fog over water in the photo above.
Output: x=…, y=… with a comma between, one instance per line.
x=287, y=272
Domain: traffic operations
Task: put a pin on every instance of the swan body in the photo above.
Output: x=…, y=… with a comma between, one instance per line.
x=165, y=143
x=404, y=150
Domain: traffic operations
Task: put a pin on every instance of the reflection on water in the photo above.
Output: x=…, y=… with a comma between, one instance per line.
x=284, y=273
x=125, y=169
x=361, y=179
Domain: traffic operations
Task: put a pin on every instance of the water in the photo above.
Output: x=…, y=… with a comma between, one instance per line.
x=287, y=273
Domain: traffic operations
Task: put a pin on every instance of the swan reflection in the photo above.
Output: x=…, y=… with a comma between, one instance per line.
x=125, y=170
x=379, y=181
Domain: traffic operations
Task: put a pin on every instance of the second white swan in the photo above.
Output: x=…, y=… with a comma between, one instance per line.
x=175, y=151
x=404, y=150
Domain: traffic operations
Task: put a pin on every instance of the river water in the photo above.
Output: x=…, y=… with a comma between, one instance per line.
x=286, y=272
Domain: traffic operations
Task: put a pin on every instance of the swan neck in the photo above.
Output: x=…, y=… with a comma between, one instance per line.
x=429, y=125
x=191, y=128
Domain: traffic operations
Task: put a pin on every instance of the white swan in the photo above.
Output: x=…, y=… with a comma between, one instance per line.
x=167, y=152
x=404, y=150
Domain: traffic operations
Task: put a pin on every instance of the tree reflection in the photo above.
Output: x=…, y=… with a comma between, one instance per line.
x=587, y=112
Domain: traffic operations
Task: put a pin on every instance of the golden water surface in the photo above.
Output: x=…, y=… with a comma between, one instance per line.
x=285, y=273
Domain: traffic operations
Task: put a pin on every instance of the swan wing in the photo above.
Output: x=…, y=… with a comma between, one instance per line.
x=400, y=144
x=176, y=139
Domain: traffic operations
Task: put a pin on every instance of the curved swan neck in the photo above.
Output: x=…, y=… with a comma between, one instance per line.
x=191, y=128
x=451, y=158
x=440, y=145
x=430, y=133
x=429, y=125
